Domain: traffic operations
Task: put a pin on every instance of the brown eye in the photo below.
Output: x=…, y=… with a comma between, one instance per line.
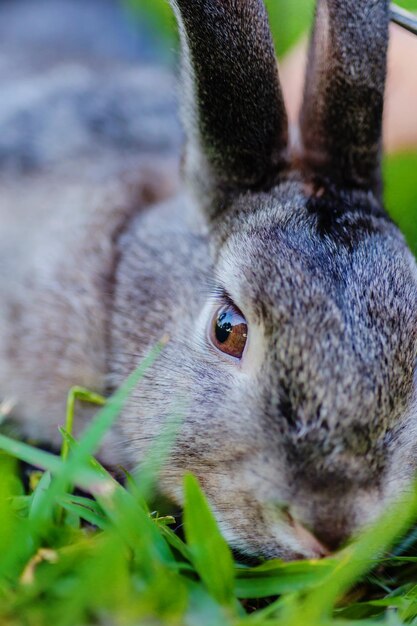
x=229, y=331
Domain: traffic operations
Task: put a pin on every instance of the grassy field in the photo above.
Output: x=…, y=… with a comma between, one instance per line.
x=78, y=548
x=103, y=556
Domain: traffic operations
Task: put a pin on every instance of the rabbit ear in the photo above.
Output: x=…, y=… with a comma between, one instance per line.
x=233, y=106
x=341, y=116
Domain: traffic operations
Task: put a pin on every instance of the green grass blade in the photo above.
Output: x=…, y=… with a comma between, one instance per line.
x=210, y=553
x=36, y=507
x=83, y=395
x=276, y=577
x=84, y=477
x=90, y=441
x=105, y=418
x=84, y=512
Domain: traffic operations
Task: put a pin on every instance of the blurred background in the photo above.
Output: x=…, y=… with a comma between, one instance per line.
x=143, y=33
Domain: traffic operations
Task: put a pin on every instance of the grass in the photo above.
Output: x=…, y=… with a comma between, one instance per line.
x=103, y=556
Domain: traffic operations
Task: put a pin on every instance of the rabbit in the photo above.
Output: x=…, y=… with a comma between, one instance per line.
x=288, y=294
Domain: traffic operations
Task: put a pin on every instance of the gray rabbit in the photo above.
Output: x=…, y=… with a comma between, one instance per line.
x=289, y=296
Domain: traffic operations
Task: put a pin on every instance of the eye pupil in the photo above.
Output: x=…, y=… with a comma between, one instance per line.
x=229, y=331
x=223, y=329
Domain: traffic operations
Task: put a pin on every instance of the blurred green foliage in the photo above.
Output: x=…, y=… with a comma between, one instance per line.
x=410, y=5
x=400, y=174
x=289, y=18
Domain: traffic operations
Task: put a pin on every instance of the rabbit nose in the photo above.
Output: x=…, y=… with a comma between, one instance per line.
x=322, y=535
x=332, y=536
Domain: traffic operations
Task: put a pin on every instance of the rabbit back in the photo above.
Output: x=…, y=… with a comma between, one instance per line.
x=89, y=137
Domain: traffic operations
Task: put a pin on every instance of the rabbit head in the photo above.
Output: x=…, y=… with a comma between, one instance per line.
x=291, y=300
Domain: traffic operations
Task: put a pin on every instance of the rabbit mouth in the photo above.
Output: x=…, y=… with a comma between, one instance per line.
x=285, y=539
x=295, y=544
x=307, y=540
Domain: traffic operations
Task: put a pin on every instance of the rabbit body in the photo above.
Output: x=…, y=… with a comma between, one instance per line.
x=119, y=153
x=313, y=425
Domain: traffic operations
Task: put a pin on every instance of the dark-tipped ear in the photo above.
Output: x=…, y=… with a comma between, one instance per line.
x=233, y=107
x=341, y=116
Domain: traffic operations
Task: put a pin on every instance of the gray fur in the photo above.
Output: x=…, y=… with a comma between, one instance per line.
x=341, y=117
x=317, y=422
x=232, y=141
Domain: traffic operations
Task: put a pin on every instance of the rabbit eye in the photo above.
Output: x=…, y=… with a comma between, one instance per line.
x=229, y=331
